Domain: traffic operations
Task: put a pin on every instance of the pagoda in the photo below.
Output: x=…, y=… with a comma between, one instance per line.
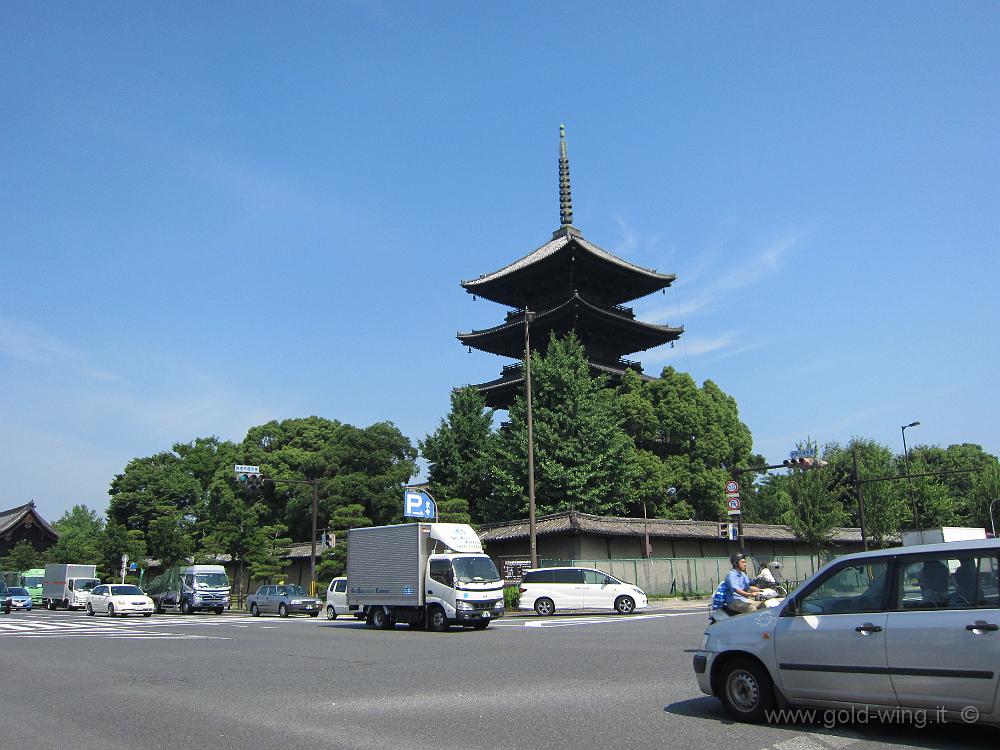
x=568, y=284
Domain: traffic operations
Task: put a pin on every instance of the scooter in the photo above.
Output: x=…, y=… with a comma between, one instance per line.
x=772, y=594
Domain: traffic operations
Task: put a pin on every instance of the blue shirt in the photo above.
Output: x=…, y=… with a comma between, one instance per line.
x=736, y=579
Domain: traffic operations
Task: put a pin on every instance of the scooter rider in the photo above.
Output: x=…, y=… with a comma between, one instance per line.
x=738, y=593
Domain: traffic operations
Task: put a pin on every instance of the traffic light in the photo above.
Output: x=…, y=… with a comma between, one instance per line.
x=804, y=462
x=253, y=483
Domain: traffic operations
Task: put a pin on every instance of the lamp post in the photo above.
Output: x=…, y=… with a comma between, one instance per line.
x=906, y=464
x=529, y=317
x=993, y=524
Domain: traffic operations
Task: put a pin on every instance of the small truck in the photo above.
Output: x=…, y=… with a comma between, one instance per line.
x=431, y=575
x=68, y=585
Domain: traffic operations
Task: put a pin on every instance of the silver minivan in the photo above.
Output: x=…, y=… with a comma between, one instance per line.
x=547, y=590
x=912, y=628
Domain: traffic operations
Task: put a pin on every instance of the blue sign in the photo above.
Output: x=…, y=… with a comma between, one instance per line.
x=418, y=505
x=133, y=566
x=803, y=453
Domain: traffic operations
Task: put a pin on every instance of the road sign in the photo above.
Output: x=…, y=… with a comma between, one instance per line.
x=243, y=469
x=734, y=504
x=802, y=453
x=732, y=487
x=418, y=505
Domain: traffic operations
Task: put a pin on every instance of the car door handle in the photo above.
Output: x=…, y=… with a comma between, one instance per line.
x=868, y=628
x=982, y=625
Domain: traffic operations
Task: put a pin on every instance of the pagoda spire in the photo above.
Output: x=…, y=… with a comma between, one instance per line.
x=565, y=194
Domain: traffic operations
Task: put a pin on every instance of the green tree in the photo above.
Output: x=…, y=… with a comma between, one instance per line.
x=815, y=511
x=886, y=507
x=81, y=531
x=118, y=541
x=344, y=518
x=269, y=559
x=169, y=537
x=583, y=457
x=21, y=557
x=455, y=510
x=459, y=453
x=695, y=432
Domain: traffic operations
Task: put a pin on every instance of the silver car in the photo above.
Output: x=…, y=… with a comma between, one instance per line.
x=910, y=632
x=284, y=600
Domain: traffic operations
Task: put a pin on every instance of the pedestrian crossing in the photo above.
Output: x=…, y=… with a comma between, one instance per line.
x=131, y=628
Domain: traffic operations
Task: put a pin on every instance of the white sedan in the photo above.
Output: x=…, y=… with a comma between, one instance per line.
x=119, y=599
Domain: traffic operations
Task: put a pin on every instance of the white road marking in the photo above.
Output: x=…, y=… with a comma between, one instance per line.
x=518, y=622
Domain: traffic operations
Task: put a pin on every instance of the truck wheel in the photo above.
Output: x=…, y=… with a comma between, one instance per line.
x=253, y=610
x=314, y=614
x=544, y=606
x=437, y=620
x=157, y=607
x=185, y=607
x=746, y=690
x=380, y=620
x=331, y=613
x=219, y=610
x=481, y=625
x=282, y=610
x=90, y=609
x=624, y=605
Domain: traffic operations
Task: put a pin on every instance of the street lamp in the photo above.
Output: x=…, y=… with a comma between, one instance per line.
x=529, y=317
x=906, y=463
x=993, y=524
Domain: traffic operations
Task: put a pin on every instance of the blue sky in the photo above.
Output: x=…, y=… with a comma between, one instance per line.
x=216, y=216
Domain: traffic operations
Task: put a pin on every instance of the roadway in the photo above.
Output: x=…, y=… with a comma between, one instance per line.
x=233, y=681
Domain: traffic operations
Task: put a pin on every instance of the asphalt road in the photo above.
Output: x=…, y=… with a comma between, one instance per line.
x=595, y=681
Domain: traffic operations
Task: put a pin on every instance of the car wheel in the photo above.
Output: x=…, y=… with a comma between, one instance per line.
x=746, y=690
x=254, y=611
x=111, y=610
x=624, y=605
x=437, y=620
x=331, y=613
x=544, y=606
x=90, y=609
x=282, y=610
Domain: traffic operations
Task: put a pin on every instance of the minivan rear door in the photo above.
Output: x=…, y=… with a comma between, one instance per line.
x=568, y=588
x=943, y=637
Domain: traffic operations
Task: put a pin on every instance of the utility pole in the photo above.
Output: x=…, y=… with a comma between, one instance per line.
x=529, y=318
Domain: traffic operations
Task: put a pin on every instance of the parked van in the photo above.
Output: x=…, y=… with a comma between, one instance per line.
x=336, y=601
x=547, y=590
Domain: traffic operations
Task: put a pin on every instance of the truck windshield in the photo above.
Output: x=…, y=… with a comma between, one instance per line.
x=85, y=584
x=475, y=570
x=211, y=580
x=31, y=581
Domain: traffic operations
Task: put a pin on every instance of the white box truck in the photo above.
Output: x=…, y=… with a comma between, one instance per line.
x=943, y=534
x=430, y=575
x=68, y=585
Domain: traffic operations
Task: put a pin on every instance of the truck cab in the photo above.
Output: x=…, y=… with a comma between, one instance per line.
x=191, y=588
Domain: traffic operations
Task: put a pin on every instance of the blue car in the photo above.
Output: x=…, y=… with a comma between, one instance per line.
x=20, y=599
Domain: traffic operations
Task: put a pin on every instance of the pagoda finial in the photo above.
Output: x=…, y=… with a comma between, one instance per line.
x=565, y=194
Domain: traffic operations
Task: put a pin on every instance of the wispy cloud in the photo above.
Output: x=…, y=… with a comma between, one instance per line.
x=27, y=343
x=722, y=283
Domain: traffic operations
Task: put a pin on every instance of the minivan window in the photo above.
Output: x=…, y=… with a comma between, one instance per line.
x=567, y=575
x=537, y=576
x=595, y=576
x=958, y=580
x=848, y=589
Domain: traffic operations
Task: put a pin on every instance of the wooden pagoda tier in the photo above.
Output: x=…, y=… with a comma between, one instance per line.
x=606, y=333
x=500, y=393
x=566, y=265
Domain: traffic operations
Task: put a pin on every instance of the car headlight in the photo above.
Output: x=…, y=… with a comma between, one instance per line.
x=498, y=605
x=464, y=605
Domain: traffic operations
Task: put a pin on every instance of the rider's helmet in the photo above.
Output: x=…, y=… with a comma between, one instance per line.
x=735, y=559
